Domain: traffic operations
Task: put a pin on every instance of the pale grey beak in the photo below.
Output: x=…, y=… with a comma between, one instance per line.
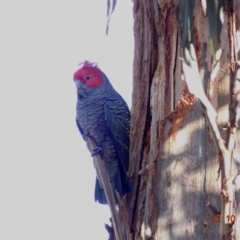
x=78, y=84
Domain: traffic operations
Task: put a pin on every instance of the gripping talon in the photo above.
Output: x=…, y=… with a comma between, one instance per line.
x=96, y=151
x=86, y=135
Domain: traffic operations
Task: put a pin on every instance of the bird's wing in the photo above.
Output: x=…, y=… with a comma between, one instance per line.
x=80, y=129
x=117, y=116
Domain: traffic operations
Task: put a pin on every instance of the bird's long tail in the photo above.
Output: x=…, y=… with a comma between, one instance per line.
x=121, y=184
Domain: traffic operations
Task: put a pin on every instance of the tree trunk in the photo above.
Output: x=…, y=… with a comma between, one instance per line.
x=175, y=164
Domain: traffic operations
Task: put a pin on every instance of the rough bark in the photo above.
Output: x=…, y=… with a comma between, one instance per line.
x=174, y=159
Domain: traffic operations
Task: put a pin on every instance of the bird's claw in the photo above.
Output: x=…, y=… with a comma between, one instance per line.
x=96, y=151
x=86, y=135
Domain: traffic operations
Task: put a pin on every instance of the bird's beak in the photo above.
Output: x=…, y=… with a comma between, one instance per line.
x=78, y=84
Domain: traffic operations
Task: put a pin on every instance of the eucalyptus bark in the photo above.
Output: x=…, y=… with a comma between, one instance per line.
x=175, y=161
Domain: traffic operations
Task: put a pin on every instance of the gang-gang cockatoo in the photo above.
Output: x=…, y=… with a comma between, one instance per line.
x=103, y=115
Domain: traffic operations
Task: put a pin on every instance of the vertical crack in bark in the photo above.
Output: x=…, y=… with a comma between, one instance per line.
x=174, y=71
x=144, y=67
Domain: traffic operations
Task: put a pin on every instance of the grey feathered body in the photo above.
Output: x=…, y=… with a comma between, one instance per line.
x=105, y=117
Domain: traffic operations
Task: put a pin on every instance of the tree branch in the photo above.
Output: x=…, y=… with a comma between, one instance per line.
x=124, y=216
x=194, y=83
x=227, y=167
x=220, y=70
x=107, y=190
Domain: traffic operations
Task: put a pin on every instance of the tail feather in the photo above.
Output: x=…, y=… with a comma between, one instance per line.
x=121, y=184
x=99, y=194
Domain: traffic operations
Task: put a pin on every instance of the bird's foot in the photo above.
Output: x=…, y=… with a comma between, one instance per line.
x=86, y=135
x=96, y=151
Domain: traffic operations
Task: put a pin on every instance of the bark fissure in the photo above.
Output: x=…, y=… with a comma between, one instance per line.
x=174, y=73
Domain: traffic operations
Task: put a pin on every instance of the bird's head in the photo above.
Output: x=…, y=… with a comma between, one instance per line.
x=88, y=78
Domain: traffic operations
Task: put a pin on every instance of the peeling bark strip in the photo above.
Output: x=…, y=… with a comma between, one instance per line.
x=144, y=66
x=162, y=88
x=183, y=108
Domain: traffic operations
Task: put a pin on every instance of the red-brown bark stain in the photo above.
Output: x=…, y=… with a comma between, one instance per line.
x=184, y=106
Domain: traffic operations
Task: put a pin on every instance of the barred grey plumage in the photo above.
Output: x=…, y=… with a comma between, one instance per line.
x=104, y=115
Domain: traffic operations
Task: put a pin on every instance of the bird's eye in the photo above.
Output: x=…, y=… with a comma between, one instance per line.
x=87, y=77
